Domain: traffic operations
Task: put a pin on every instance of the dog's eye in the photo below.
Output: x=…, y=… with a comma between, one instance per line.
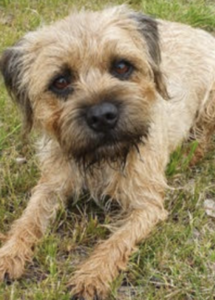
x=122, y=69
x=61, y=83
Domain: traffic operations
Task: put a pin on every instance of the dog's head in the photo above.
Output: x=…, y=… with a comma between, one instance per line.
x=89, y=81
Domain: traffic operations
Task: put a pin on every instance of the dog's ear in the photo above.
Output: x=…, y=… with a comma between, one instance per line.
x=12, y=69
x=149, y=30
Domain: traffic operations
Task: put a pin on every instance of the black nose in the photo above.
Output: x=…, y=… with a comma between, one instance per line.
x=102, y=117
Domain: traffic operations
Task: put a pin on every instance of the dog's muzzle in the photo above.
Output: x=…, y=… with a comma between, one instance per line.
x=102, y=117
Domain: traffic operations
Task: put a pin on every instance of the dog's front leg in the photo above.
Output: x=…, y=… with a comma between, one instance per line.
x=26, y=231
x=92, y=280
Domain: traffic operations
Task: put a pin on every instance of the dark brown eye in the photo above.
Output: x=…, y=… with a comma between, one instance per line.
x=61, y=83
x=122, y=69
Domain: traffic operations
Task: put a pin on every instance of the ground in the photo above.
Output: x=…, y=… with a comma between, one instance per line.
x=177, y=261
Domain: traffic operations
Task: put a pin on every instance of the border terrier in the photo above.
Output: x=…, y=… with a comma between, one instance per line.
x=113, y=93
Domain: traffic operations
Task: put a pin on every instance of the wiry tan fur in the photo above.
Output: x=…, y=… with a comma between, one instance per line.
x=169, y=97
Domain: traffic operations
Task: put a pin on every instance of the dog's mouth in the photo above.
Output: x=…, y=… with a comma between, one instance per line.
x=108, y=148
x=103, y=134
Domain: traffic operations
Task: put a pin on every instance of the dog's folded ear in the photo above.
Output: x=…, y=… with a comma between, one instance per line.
x=12, y=69
x=150, y=32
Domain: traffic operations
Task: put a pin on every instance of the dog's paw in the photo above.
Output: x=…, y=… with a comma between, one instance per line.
x=10, y=267
x=88, y=287
x=77, y=297
x=12, y=261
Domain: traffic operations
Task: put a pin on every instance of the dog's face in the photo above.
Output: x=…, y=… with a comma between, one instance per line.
x=89, y=81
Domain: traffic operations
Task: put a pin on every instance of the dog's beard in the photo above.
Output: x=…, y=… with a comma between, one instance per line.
x=111, y=148
x=91, y=149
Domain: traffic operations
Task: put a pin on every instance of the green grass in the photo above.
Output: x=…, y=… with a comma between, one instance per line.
x=198, y=13
x=177, y=261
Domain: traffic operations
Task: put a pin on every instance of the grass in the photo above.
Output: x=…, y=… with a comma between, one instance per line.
x=177, y=261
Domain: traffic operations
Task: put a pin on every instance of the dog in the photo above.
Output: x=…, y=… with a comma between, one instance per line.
x=113, y=93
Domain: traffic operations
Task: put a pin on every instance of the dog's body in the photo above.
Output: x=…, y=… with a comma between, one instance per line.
x=109, y=125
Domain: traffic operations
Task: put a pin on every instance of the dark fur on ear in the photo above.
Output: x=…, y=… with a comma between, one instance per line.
x=11, y=67
x=149, y=29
